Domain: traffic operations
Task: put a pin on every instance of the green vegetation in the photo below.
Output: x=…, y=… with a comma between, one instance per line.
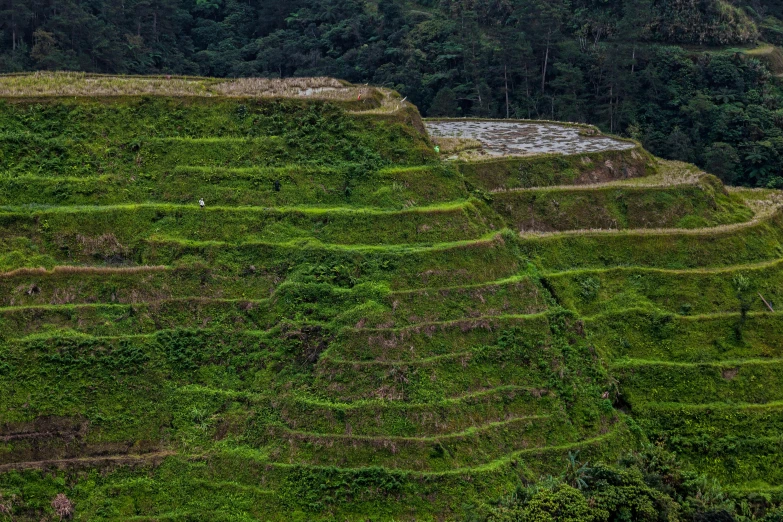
x=352, y=329
x=683, y=292
x=619, y=208
x=555, y=169
x=696, y=81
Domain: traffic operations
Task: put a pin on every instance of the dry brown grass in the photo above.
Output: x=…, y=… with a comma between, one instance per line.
x=54, y=84
x=456, y=145
x=81, y=84
x=105, y=244
x=102, y=462
x=41, y=84
x=390, y=103
x=289, y=88
x=72, y=269
x=761, y=201
x=770, y=55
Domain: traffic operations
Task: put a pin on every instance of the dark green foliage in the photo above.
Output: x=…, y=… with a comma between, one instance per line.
x=614, y=63
x=444, y=104
x=705, y=248
x=347, y=332
x=722, y=160
x=149, y=135
x=556, y=169
x=648, y=485
x=688, y=206
x=287, y=350
x=183, y=349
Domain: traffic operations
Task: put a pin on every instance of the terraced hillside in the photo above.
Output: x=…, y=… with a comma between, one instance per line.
x=353, y=328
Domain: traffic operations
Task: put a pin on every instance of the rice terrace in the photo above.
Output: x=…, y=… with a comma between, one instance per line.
x=357, y=326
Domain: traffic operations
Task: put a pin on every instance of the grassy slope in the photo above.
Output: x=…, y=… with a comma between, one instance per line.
x=350, y=329
x=621, y=207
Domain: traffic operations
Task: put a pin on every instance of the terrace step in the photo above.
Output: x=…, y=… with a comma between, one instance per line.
x=403, y=266
x=547, y=457
x=756, y=241
x=447, y=376
x=159, y=154
x=104, y=461
x=716, y=419
x=651, y=335
x=748, y=380
x=256, y=501
x=68, y=227
x=287, y=186
x=381, y=418
x=129, y=285
x=620, y=207
x=641, y=231
x=427, y=340
x=758, y=265
x=737, y=443
x=697, y=291
x=113, y=320
x=472, y=447
x=752, y=463
x=520, y=295
x=541, y=170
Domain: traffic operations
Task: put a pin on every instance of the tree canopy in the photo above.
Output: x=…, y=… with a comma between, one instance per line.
x=677, y=75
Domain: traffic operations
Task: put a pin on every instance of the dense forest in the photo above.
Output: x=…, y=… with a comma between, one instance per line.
x=688, y=78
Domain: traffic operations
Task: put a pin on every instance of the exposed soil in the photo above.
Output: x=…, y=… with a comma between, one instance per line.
x=55, y=439
x=108, y=461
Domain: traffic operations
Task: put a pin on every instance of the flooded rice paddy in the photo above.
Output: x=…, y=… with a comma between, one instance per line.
x=504, y=138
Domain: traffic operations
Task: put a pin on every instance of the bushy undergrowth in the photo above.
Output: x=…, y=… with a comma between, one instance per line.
x=142, y=136
x=350, y=329
x=648, y=485
x=685, y=206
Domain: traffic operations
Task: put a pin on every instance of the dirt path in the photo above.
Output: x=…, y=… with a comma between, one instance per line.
x=145, y=458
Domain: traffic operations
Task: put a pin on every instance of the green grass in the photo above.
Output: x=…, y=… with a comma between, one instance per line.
x=653, y=335
x=743, y=380
x=377, y=417
x=426, y=340
x=555, y=169
x=475, y=446
x=236, y=482
x=111, y=320
x=621, y=207
x=70, y=227
x=700, y=248
x=300, y=184
x=683, y=292
x=138, y=137
x=738, y=443
x=131, y=285
x=352, y=329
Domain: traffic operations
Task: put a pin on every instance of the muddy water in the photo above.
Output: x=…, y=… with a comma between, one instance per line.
x=502, y=138
x=310, y=91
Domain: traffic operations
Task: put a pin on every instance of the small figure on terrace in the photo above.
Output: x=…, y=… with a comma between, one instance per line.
x=201, y=202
